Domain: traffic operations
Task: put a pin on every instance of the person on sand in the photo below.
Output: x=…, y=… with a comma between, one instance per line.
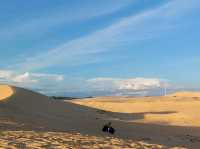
x=108, y=128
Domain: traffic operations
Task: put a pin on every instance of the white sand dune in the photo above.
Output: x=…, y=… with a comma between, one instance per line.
x=139, y=123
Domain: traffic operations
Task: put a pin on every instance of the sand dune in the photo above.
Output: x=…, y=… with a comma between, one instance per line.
x=186, y=94
x=35, y=121
x=176, y=111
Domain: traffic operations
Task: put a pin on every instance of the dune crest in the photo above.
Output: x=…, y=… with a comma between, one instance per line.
x=5, y=92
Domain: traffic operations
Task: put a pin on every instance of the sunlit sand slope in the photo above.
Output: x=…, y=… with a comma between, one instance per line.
x=5, y=92
x=186, y=94
x=177, y=111
x=55, y=140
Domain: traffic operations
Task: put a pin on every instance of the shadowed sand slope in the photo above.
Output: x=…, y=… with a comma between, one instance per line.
x=35, y=121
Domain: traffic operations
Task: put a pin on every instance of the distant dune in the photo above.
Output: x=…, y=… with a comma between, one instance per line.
x=186, y=94
x=164, y=110
x=35, y=121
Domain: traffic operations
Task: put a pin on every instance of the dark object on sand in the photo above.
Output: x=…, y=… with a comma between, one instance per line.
x=108, y=128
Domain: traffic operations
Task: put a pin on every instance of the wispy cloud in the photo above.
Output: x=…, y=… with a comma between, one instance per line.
x=40, y=24
x=145, y=25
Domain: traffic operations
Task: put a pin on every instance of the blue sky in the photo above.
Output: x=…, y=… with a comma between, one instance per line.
x=100, y=47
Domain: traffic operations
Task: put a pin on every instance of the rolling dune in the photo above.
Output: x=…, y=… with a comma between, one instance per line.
x=176, y=111
x=35, y=121
x=186, y=94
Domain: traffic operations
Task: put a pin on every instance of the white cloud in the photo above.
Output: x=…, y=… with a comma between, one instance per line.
x=148, y=24
x=28, y=79
x=53, y=84
x=131, y=84
x=5, y=74
x=24, y=78
x=139, y=84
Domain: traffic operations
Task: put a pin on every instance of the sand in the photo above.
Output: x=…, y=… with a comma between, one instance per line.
x=175, y=111
x=186, y=94
x=60, y=140
x=5, y=92
x=32, y=120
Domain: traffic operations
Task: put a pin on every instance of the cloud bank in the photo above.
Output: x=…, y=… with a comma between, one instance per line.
x=131, y=86
x=54, y=84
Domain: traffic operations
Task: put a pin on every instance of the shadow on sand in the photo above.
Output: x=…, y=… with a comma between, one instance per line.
x=60, y=116
x=130, y=116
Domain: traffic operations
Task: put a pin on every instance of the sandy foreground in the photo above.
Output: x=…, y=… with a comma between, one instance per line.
x=31, y=120
x=59, y=140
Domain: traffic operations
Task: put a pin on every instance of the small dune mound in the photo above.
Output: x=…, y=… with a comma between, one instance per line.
x=5, y=92
x=186, y=94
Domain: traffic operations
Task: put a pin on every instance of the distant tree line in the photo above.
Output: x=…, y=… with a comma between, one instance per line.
x=67, y=98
